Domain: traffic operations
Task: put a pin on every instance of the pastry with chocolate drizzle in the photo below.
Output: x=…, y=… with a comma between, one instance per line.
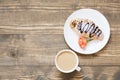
x=87, y=29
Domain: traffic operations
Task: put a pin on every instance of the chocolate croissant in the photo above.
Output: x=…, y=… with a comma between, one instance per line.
x=87, y=29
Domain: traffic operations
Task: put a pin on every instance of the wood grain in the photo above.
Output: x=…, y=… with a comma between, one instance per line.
x=29, y=18
x=51, y=73
x=31, y=33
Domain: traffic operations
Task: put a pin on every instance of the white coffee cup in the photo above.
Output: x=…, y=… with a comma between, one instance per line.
x=67, y=55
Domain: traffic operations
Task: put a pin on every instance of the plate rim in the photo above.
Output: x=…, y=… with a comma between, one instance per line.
x=103, y=44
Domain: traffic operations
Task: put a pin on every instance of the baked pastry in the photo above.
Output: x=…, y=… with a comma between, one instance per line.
x=87, y=30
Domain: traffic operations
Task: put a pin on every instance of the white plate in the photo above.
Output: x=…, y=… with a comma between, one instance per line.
x=94, y=46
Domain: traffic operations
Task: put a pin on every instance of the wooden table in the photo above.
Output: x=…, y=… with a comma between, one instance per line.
x=31, y=33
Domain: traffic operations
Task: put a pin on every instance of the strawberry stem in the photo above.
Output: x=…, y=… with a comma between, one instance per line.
x=88, y=40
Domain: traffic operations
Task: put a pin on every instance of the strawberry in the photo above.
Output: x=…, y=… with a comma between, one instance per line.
x=83, y=42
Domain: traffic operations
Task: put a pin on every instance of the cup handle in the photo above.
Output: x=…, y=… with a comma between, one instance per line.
x=78, y=68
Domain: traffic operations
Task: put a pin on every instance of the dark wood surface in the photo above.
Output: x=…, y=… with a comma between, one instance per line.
x=31, y=33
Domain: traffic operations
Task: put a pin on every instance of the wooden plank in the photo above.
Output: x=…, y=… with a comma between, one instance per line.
x=44, y=29
x=31, y=18
x=41, y=57
x=53, y=2
x=73, y=6
x=51, y=73
x=46, y=57
x=56, y=17
x=90, y=73
x=22, y=72
x=86, y=61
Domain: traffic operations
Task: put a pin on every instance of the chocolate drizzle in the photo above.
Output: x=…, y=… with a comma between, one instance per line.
x=91, y=29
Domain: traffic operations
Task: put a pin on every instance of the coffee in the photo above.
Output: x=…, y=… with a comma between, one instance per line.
x=66, y=61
